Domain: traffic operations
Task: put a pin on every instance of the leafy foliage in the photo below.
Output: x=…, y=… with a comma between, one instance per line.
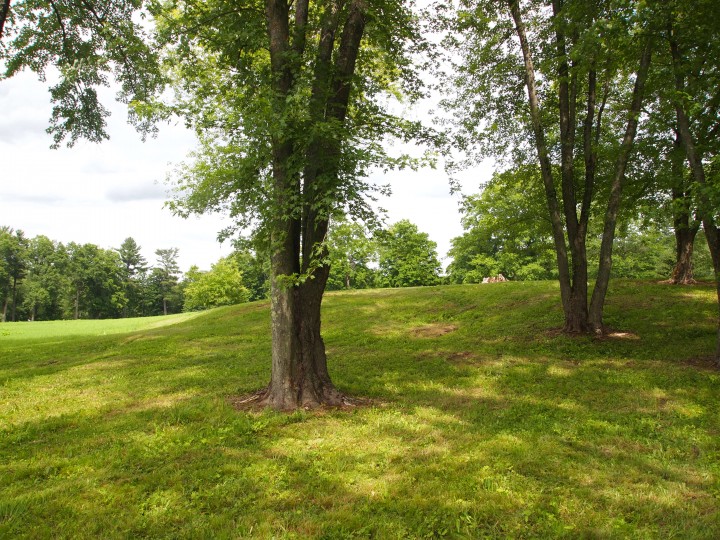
x=221, y=286
x=407, y=257
x=81, y=45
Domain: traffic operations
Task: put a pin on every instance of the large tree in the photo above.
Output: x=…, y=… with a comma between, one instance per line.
x=287, y=99
x=406, y=257
x=13, y=267
x=582, y=67
x=692, y=40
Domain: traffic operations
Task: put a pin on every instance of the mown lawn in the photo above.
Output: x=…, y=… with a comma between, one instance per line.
x=485, y=422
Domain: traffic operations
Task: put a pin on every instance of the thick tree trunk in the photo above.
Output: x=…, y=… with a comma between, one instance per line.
x=300, y=376
x=602, y=282
x=682, y=273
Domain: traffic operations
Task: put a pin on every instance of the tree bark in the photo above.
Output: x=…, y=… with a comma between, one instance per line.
x=569, y=305
x=597, y=303
x=300, y=376
x=712, y=233
x=684, y=226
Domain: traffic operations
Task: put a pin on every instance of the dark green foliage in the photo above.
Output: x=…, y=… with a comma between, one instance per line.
x=352, y=250
x=406, y=257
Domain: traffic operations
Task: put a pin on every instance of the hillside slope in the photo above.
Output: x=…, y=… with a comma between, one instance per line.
x=484, y=421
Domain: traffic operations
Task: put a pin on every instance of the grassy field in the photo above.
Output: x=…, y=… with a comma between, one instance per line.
x=485, y=422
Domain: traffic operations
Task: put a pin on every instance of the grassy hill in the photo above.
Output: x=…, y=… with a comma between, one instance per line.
x=484, y=422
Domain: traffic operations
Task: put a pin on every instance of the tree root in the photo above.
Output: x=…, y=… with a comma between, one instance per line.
x=260, y=400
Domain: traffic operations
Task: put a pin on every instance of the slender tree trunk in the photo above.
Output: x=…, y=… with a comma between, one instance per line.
x=164, y=306
x=568, y=299
x=597, y=303
x=14, y=299
x=77, y=303
x=5, y=306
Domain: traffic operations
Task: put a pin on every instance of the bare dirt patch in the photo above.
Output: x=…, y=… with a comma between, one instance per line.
x=434, y=330
x=702, y=362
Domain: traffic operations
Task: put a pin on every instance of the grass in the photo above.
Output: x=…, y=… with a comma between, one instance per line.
x=486, y=422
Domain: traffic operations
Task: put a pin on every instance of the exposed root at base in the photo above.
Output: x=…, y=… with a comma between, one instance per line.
x=678, y=282
x=259, y=400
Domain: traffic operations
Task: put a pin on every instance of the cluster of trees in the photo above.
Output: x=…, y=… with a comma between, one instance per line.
x=597, y=103
x=41, y=279
x=507, y=232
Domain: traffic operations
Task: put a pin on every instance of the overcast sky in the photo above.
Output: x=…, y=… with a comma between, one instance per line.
x=103, y=193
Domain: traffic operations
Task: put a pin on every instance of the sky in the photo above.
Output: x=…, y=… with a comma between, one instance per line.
x=103, y=193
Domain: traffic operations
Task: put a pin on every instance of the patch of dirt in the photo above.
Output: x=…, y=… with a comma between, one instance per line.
x=434, y=330
x=461, y=357
x=702, y=362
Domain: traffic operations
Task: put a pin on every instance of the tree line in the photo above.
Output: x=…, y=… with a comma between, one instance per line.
x=601, y=103
x=41, y=279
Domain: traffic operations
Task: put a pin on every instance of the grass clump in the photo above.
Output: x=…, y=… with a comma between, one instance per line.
x=486, y=422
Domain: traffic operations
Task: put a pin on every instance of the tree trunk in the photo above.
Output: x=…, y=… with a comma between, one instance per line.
x=682, y=273
x=77, y=304
x=712, y=233
x=602, y=282
x=684, y=226
x=164, y=306
x=5, y=306
x=300, y=376
x=569, y=301
x=14, y=299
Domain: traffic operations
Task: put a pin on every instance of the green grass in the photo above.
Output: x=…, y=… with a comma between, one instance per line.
x=486, y=422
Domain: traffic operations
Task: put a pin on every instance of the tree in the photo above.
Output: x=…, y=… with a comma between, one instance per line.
x=45, y=281
x=567, y=57
x=166, y=274
x=692, y=34
x=507, y=231
x=286, y=99
x=135, y=269
x=88, y=42
x=255, y=270
x=95, y=278
x=407, y=257
x=351, y=250
x=221, y=286
x=13, y=266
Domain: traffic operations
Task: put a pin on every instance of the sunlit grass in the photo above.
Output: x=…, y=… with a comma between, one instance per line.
x=485, y=422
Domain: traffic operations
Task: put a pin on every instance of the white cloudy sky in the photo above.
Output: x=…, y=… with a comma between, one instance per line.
x=103, y=193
